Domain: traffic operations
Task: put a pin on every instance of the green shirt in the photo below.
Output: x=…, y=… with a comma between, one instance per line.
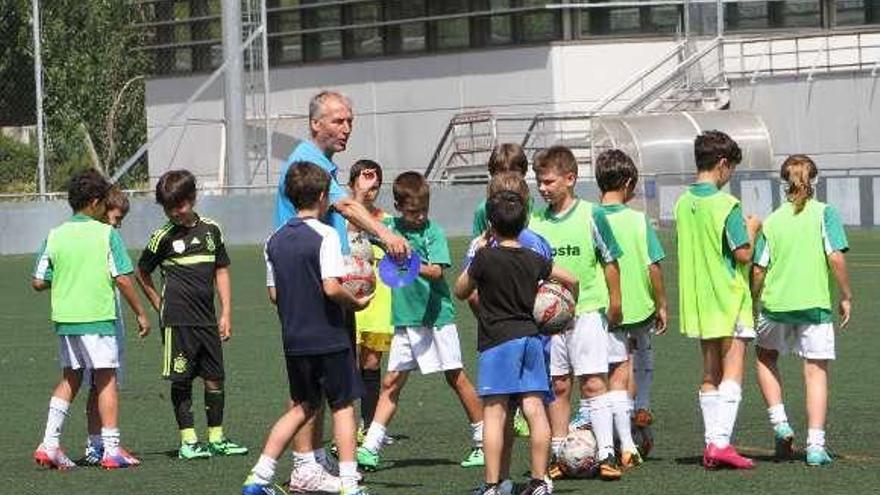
x=818, y=227
x=60, y=259
x=735, y=233
x=423, y=303
x=481, y=223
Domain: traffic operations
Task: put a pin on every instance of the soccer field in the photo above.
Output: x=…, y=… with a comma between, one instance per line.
x=430, y=426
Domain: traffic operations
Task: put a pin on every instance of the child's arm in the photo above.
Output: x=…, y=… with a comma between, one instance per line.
x=273, y=295
x=614, y=312
x=464, y=286
x=224, y=293
x=837, y=262
x=42, y=277
x=145, y=281
x=126, y=288
x=743, y=254
x=431, y=271
x=568, y=280
x=39, y=284
x=338, y=294
x=660, y=305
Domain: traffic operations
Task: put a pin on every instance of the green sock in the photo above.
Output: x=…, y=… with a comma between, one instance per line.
x=215, y=434
x=188, y=435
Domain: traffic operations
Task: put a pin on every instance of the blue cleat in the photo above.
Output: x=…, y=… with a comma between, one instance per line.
x=784, y=441
x=818, y=456
x=252, y=487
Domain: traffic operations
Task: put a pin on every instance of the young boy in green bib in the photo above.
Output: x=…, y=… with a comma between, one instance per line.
x=582, y=243
x=801, y=244
x=642, y=294
x=714, y=253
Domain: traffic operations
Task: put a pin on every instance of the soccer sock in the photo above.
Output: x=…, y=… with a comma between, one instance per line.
x=815, y=438
x=55, y=422
x=375, y=436
x=777, y=414
x=301, y=459
x=215, y=434
x=372, y=384
x=621, y=406
x=709, y=402
x=264, y=470
x=556, y=444
x=731, y=395
x=477, y=434
x=181, y=399
x=188, y=435
x=215, y=400
x=110, y=436
x=603, y=424
x=95, y=442
x=584, y=411
x=348, y=474
x=643, y=369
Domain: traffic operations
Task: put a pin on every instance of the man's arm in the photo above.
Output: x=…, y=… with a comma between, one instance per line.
x=660, y=306
x=224, y=293
x=357, y=214
x=145, y=281
x=126, y=288
x=837, y=262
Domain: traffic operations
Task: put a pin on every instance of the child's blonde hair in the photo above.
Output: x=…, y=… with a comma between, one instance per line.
x=798, y=171
x=508, y=181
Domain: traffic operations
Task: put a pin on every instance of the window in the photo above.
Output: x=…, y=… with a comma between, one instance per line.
x=362, y=42
x=857, y=12
x=769, y=15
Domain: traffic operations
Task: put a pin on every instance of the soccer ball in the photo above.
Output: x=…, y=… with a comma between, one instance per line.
x=554, y=308
x=578, y=456
x=359, y=278
x=360, y=247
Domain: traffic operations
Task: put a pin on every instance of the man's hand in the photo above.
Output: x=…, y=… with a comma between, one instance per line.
x=224, y=327
x=844, y=307
x=661, y=320
x=143, y=325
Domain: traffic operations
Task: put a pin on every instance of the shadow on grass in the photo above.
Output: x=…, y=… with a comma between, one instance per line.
x=405, y=463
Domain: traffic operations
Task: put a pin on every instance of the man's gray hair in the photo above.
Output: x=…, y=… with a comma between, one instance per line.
x=316, y=104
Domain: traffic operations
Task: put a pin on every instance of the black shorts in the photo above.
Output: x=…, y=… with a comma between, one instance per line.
x=188, y=352
x=333, y=376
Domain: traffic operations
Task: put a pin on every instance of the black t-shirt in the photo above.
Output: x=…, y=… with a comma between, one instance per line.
x=189, y=258
x=507, y=279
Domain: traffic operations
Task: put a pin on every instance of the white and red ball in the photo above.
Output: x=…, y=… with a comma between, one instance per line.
x=554, y=308
x=359, y=278
x=578, y=455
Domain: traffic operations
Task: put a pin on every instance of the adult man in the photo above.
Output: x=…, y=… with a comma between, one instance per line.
x=330, y=125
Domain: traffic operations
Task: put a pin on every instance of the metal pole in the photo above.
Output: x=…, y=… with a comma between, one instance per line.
x=720, y=17
x=233, y=95
x=38, y=80
x=264, y=22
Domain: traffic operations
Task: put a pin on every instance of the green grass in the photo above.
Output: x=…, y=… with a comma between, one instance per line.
x=430, y=422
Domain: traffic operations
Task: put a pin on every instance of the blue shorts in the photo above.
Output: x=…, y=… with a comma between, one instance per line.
x=515, y=367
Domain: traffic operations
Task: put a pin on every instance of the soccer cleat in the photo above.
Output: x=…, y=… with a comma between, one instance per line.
x=609, y=469
x=358, y=490
x=555, y=471
x=92, y=456
x=536, y=487
x=520, y=425
x=503, y=488
x=311, y=478
x=226, y=447
x=643, y=418
x=784, y=441
x=53, y=458
x=474, y=458
x=818, y=456
x=580, y=422
x=191, y=451
x=367, y=460
x=121, y=460
x=252, y=487
x=630, y=459
x=715, y=457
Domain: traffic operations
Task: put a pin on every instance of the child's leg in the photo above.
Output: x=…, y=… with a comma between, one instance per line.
x=643, y=368
x=495, y=420
x=215, y=402
x=559, y=411
x=473, y=407
x=622, y=404
x=595, y=388
x=389, y=397
x=59, y=404
x=345, y=435
x=93, y=418
x=181, y=400
x=539, y=433
x=816, y=380
x=509, y=438
x=108, y=408
x=730, y=388
x=709, y=396
x=770, y=382
x=283, y=430
x=370, y=363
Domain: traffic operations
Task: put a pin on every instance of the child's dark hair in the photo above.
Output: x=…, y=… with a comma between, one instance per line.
x=175, y=187
x=411, y=187
x=711, y=146
x=117, y=200
x=304, y=184
x=508, y=181
x=558, y=158
x=508, y=157
x=360, y=166
x=614, y=169
x=507, y=213
x=85, y=187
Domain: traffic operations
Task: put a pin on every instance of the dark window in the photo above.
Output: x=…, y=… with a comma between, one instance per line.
x=857, y=12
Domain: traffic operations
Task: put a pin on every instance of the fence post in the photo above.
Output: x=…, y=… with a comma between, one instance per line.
x=38, y=82
x=233, y=95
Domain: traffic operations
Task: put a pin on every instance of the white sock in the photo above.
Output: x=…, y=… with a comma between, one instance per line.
x=95, y=441
x=602, y=417
x=477, y=434
x=731, y=395
x=348, y=474
x=374, y=438
x=621, y=407
x=584, y=410
x=55, y=422
x=709, y=403
x=815, y=438
x=264, y=470
x=302, y=459
x=556, y=444
x=110, y=437
x=643, y=370
x=777, y=414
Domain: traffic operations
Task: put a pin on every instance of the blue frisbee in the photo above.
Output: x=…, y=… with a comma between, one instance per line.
x=400, y=273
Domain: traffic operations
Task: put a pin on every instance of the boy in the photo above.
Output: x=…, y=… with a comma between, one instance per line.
x=81, y=260
x=301, y=255
x=116, y=206
x=715, y=306
x=511, y=363
x=506, y=157
x=583, y=244
x=193, y=258
x=425, y=336
x=642, y=294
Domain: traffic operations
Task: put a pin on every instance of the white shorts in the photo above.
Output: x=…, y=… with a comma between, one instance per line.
x=427, y=349
x=88, y=351
x=620, y=342
x=583, y=350
x=809, y=341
